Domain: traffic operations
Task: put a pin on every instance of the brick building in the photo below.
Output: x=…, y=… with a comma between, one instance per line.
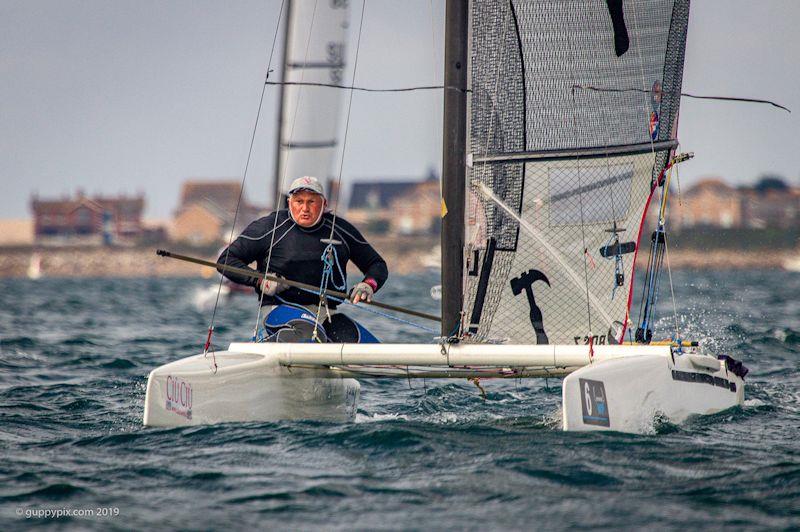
x=713, y=203
x=771, y=207
x=396, y=207
x=710, y=202
x=85, y=220
x=206, y=212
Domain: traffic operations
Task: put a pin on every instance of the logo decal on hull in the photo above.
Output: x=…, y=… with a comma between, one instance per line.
x=594, y=404
x=703, y=378
x=179, y=397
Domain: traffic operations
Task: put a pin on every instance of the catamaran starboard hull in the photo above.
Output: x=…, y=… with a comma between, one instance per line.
x=628, y=395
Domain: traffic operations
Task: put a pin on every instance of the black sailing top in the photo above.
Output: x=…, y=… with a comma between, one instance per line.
x=297, y=254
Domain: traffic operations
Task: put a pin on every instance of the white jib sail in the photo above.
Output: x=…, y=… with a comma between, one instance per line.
x=315, y=53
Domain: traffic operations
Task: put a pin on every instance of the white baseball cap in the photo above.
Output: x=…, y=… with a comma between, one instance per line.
x=309, y=183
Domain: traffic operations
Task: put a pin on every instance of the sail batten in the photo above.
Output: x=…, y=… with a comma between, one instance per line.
x=572, y=112
x=583, y=153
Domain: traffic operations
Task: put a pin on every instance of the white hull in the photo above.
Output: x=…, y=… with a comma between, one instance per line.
x=792, y=264
x=35, y=267
x=270, y=382
x=627, y=395
x=245, y=387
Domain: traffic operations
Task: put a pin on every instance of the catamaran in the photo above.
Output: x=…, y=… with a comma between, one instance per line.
x=560, y=130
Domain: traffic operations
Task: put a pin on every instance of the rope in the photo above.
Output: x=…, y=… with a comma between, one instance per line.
x=285, y=164
x=389, y=316
x=468, y=91
x=434, y=63
x=372, y=89
x=329, y=257
x=344, y=151
x=662, y=222
x=580, y=203
x=244, y=178
x=672, y=291
x=695, y=96
x=654, y=262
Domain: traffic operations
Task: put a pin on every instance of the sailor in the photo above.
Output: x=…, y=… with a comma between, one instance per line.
x=306, y=243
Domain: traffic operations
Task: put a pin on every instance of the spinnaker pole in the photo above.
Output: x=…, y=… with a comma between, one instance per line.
x=454, y=162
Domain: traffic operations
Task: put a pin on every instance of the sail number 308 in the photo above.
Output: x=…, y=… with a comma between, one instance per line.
x=597, y=339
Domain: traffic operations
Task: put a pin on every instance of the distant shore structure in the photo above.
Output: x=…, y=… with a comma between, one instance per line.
x=207, y=210
x=400, y=207
x=711, y=202
x=87, y=220
x=204, y=215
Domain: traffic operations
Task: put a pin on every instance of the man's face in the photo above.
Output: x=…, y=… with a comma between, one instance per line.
x=306, y=207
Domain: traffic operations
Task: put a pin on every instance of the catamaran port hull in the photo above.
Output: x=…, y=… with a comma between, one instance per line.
x=613, y=387
x=244, y=387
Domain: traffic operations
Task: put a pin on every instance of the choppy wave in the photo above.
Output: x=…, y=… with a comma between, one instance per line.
x=420, y=454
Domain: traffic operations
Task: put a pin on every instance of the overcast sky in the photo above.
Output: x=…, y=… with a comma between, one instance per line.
x=117, y=96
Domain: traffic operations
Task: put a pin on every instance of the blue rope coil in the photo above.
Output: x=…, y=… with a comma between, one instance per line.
x=329, y=258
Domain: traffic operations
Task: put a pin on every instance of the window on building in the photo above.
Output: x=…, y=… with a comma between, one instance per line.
x=83, y=217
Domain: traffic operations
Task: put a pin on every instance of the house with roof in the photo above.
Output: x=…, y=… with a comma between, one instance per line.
x=206, y=212
x=85, y=220
x=771, y=203
x=398, y=207
x=710, y=202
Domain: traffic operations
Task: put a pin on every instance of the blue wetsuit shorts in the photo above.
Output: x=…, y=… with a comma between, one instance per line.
x=294, y=323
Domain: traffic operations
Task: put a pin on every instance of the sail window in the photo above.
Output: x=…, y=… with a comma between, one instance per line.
x=577, y=189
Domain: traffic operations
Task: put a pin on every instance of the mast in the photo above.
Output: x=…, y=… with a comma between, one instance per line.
x=276, y=183
x=454, y=161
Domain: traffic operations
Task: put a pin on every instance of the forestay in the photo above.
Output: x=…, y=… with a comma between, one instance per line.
x=314, y=53
x=572, y=116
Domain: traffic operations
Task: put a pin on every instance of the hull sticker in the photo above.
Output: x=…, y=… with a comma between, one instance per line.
x=594, y=403
x=703, y=378
x=179, y=397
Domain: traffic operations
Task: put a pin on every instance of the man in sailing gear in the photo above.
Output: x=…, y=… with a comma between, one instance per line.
x=305, y=243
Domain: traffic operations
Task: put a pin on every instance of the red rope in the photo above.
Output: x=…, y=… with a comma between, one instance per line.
x=208, y=344
x=589, y=256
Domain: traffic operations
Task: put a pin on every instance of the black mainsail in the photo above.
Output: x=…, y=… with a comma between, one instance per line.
x=572, y=111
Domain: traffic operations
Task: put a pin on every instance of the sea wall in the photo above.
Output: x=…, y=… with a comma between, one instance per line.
x=403, y=254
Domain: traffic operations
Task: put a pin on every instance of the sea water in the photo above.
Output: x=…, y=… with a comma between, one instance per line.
x=75, y=354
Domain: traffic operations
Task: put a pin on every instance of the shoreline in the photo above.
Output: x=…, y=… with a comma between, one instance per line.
x=405, y=255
